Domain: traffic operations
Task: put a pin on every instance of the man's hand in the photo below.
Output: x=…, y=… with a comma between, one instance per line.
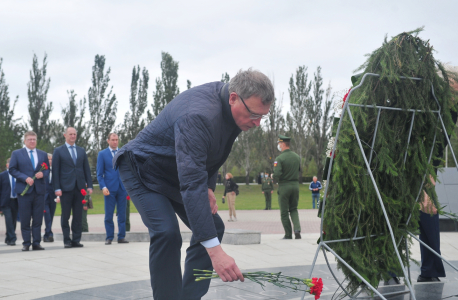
x=224, y=265
x=427, y=206
x=57, y=200
x=89, y=190
x=105, y=191
x=212, y=199
x=272, y=191
x=263, y=192
x=58, y=193
x=85, y=207
x=29, y=181
x=39, y=175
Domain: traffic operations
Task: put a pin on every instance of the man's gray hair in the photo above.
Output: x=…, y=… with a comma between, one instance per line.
x=252, y=83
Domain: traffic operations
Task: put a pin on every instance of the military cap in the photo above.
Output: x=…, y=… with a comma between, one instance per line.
x=283, y=138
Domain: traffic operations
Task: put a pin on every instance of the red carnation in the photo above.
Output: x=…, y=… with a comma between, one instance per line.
x=44, y=211
x=44, y=166
x=345, y=97
x=128, y=198
x=84, y=201
x=83, y=192
x=317, y=287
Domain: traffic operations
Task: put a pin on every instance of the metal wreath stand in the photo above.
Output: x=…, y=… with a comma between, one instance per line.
x=325, y=244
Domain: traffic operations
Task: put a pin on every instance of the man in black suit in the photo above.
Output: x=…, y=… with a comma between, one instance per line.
x=8, y=204
x=24, y=165
x=70, y=174
x=50, y=206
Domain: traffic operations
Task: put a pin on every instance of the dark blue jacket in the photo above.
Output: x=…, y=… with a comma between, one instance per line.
x=65, y=175
x=5, y=190
x=50, y=194
x=21, y=168
x=106, y=175
x=314, y=185
x=179, y=153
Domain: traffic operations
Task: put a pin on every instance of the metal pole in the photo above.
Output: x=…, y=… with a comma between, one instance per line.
x=410, y=134
x=375, y=135
x=381, y=202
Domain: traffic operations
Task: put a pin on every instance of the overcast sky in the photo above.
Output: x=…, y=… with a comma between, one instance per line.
x=207, y=38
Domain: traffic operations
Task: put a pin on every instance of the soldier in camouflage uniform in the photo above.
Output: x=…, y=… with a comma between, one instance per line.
x=286, y=172
x=267, y=190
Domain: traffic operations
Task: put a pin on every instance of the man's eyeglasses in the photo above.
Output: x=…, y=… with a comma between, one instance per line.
x=254, y=116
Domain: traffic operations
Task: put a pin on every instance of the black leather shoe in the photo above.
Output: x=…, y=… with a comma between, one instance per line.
x=25, y=248
x=392, y=281
x=37, y=247
x=11, y=243
x=123, y=241
x=297, y=235
x=49, y=239
x=287, y=238
x=427, y=279
x=108, y=242
x=77, y=245
x=68, y=245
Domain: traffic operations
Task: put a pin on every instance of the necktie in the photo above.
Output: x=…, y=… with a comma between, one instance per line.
x=73, y=154
x=114, y=152
x=13, y=192
x=32, y=159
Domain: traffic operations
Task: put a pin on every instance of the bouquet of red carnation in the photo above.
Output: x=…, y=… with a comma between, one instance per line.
x=313, y=286
x=44, y=166
x=128, y=197
x=84, y=193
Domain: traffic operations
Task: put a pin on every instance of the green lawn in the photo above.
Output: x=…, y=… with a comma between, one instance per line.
x=250, y=197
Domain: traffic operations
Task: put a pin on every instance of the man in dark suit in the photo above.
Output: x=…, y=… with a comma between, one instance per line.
x=113, y=190
x=8, y=204
x=50, y=206
x=70, y=174
x=24, y=165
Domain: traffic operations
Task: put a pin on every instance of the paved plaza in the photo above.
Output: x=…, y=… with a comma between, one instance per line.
x=120, y=271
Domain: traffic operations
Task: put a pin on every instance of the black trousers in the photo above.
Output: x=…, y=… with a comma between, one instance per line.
x=431, y=265
x=71, y=204
x=31, y=207
x=10, y=214
x=159, y=214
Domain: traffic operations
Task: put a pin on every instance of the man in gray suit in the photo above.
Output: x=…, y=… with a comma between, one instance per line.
x=70, y=175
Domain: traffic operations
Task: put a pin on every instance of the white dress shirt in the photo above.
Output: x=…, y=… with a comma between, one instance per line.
x=35, y=156
x=70, y=150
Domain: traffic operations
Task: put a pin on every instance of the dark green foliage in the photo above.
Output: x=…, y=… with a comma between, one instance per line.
x=39, y=109
x=133, y=120
x=10, y=130
x=351, y=190
x=166, y=86
x=225, y=78
x=188, y=84
x=73, y=116
x=102, y=106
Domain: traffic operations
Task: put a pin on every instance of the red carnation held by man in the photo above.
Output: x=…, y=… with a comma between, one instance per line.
x=83, y=192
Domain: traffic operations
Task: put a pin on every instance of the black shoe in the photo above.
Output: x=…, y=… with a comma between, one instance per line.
x=287, y=238
x=48, y=239
x=77, y=245
x=25, y=248
x=392, y=281
x=68, y=245
x=108, y=242
x=297, y=235
x=266, y=208
x=427, y=279
x=11, y=243
x=123, y=241
x=37, y=247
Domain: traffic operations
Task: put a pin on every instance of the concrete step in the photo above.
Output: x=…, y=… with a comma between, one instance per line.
x=231, y=236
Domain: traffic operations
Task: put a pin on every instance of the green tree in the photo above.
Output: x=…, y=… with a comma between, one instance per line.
x=133, y=121
x=225, y=78
x=320, y=116
x=166, y=86
x=10, y=129
x=188, y=84
x=275, y=125
x=299, y=94
x=73, y=115
x=102, y=106
x=39, y=109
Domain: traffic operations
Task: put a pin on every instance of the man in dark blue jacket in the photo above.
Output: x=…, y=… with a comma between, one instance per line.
x=70, y=174
x=113, y=190
x=8, y=204
x=170, y=169
x=25, y=164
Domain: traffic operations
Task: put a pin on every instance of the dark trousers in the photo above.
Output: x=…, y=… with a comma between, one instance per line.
x=31, y=208
x=50, y=209
x=158, y=214
x=71, y=203
x=431, y=265
x=268, y=196
x=10, y=214
x=128, y=216
x=115, y=199
x=85, y=225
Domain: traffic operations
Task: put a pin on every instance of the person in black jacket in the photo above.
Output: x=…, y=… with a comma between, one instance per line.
x=70, y=174
x=230, y=189
x=171, y=168
x=8, y=204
